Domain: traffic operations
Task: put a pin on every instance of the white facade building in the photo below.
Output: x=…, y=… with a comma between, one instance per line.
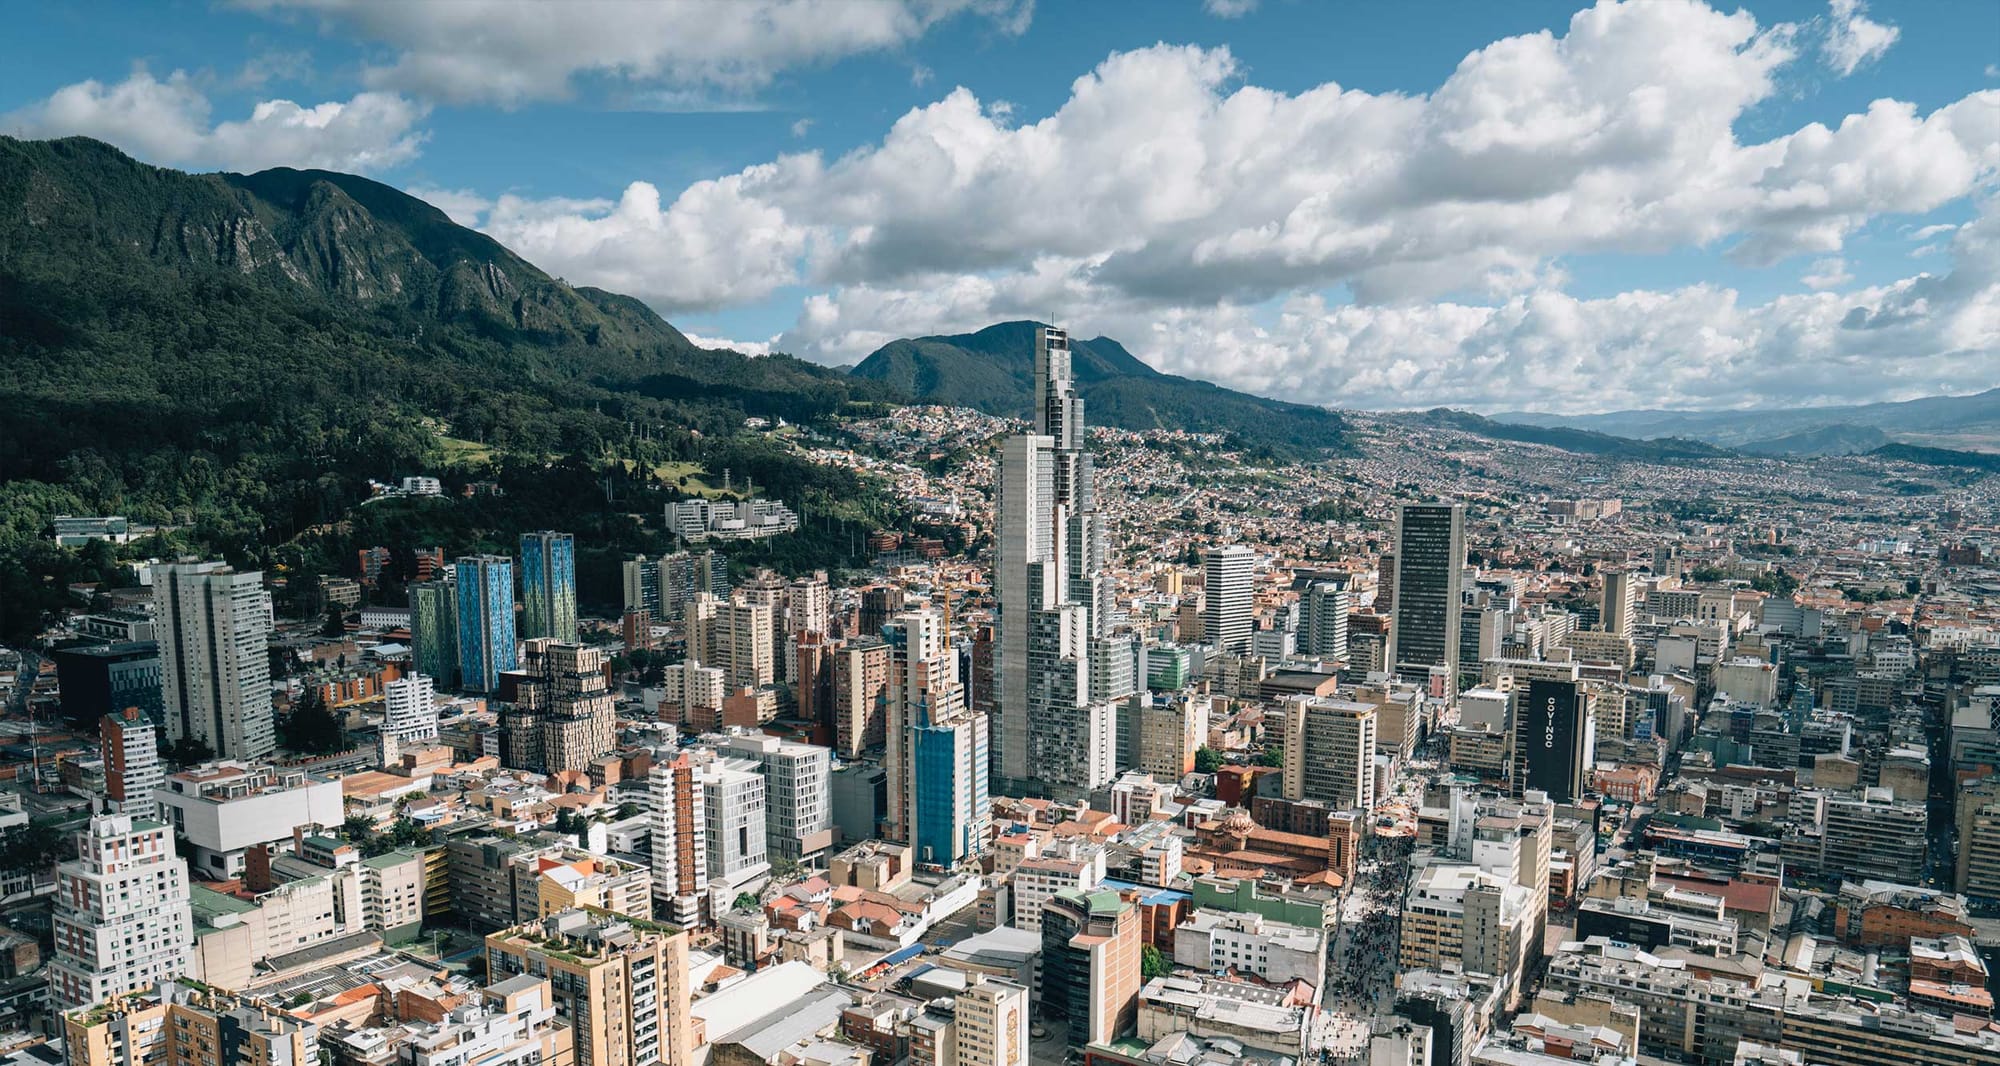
x=122, y=921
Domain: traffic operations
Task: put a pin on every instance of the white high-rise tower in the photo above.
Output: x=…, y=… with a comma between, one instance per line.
x=215, y=671
x=122, y=921
x=1053, y=596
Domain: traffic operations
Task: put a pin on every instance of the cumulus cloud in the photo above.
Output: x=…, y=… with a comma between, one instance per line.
x=1827, y=274
x=1853, y=40
x=167, y=121
x=746, y=347
x=1229, y=9
x=513, y=51
x=465, y=206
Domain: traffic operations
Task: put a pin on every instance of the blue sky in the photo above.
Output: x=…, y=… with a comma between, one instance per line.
x=813, y=179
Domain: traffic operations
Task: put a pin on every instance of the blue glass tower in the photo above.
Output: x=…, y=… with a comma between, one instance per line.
x=485, y=621
x=548, y=586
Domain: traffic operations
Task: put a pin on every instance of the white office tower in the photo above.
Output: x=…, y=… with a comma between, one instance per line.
x=215, y=671
x=1227, y=614
x=122, y=921
x=1054, y=599
x=409, y=715
x=1620, y=597
x=1323, y=609
x=1329, y=751
x=733, y=801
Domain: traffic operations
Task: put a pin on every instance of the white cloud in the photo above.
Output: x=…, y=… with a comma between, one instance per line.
x=1853, y=40
x=800, y=127
x=465, y=206
x=746, y=347
x=1229, y=9
x=1927, y=232
x=514, y=51
x=921, y=75
x=167, y=121
x=1828, y=274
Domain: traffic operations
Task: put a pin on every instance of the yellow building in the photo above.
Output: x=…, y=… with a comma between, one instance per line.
x=184, y=1024
x=621, y=984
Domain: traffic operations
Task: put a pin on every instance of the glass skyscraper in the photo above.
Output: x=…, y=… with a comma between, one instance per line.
x=434, y=631
x=485, y=621
x=1430, y=563
x=548, y=586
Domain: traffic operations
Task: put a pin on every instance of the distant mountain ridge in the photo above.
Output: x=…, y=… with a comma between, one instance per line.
x=1583, y=441
x=1970, y=422
x=992, y=370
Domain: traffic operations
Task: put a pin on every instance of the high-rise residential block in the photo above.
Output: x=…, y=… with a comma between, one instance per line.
x=409, y=715
x=1620, y=597
x=1429, y=572
x=679, y=839
x=1228, y=612
x=621, y=983
x=215, y=667
x=176, y=1024
x=734, y=806
x=434, y=631
x=564, y=715
x=860, y=695
x=122, y=921
x=129, y=744
x=486, y=644
x=1323, y=610
x=548, y=586
x=798, y=822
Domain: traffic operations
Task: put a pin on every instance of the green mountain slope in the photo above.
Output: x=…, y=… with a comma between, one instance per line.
x=993, y=370
x=238, y=354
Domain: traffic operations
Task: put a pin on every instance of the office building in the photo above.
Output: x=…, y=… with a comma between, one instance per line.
x=923, y=692
x=223, y=809
x=106, y=679
x=548, y=586
x=948, y=808
x=798, y=819
x=1159, y=733
x=1227, y=614
x=1621, y=596
x=434, y=631
x=1052, y=595
x=621, y=984
x=1554, y=739
x=733, y=805
x=1430, y=563
x=1329, y=751
x=122, y=921
x=1465, y=919
x=485, y=601
x=129, y=744
x=1274, y=952
x=1871, y=836
x=215, y=666
x=1323, y=609
x=991, y=1022
x=1090, y=964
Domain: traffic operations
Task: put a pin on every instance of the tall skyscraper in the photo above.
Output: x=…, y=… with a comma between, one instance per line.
x=130, y=745
x=860, y=695
x=1430, y=565
x=1052, y=594
x=1554, y=740
x=548, y=586
x=1620, y=595
x=434, y=631
x=122, y=921
x=486, y=646
x=564, y=715
x=1227, y=614
x=1323, y=608
x=215, y=669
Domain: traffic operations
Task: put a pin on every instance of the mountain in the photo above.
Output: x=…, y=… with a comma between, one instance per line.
x=1587, y=442
x=1912, y=453
x=237, y=354
x=993, y=370
x=1837, y=439
x=1971, y=422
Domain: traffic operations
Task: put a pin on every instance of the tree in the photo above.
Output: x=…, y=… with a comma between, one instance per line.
x=357, y=828
x=745, y=901
x=1153, y=963
x=36, y=846
x=335, y=624
x=1207, y=760
x=1270, y=757
x=312, y=728
x=189, y=751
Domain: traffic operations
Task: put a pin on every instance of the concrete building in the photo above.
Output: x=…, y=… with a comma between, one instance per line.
x=860, y=695
x=622, y=984
x=563, y=715
x=799, y=811
x=1329, y=751
x=223, y=809
x=1250, y=943
x=991, y=1023
x=1090, y=964
x=679, y=838
x=734, y=807
x=1323, y=608
x=1430, y=564
x=1160, y=732
x=215, y=669
x=121, y=921
x=513, y=1023
x=1872, y=836
x=1465, y=919
x=1227, y=610
x=409, y=715
x=177, y=1024
x=129, y=744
